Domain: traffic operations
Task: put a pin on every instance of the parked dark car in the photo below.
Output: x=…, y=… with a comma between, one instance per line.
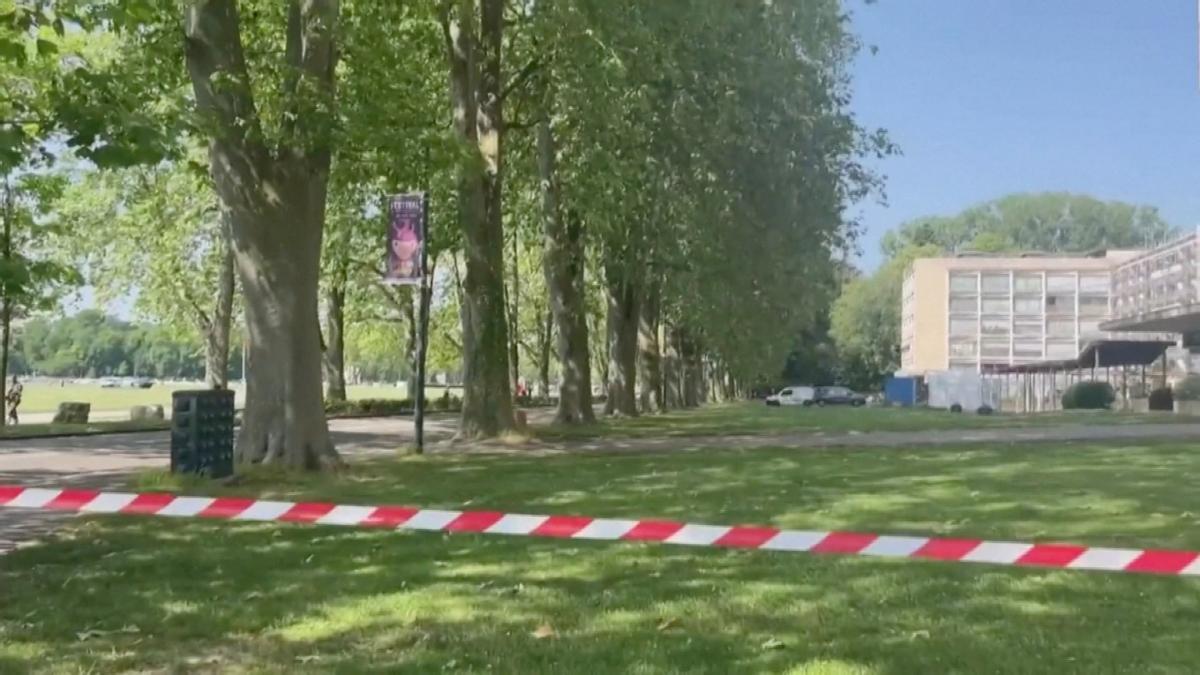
x=837, y=396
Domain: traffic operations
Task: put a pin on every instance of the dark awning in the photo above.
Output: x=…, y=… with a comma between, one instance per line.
x=1096, y=354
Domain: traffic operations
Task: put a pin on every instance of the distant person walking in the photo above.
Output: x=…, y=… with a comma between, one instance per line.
x=14, y=400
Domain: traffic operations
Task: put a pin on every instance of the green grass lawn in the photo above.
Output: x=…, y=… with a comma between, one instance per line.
x=40, y=397
x=132, y=594
x=755, y=418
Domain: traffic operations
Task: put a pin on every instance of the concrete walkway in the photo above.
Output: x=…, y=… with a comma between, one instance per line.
x=106, y=462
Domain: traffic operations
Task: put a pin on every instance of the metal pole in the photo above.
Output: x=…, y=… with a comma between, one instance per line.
x=423, y=329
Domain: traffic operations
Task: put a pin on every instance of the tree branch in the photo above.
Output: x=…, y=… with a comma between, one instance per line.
x=216, y=63
x=527, y=72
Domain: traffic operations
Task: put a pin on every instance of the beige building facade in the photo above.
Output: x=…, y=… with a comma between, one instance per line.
x=973, y=312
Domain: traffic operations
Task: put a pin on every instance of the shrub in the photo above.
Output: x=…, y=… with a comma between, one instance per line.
x=381, y=407
x=1089, y=396
x=1188, y=389
x=447, y=402
x=1162, y=399
x=956, y=408
x=984, y=410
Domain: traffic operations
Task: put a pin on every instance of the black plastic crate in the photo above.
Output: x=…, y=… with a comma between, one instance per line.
x=202, y=432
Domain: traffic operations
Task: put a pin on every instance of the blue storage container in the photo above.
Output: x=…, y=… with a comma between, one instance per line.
x=901, y=391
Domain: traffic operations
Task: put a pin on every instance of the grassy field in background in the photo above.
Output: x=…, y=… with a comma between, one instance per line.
x=113, y=594
x=752, y=418
x=40, y=397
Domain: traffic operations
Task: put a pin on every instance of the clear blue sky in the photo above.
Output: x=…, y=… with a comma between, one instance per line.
x=989, y=97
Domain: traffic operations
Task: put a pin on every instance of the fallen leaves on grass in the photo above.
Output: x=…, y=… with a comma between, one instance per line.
x=668, y=624
x=544, y=631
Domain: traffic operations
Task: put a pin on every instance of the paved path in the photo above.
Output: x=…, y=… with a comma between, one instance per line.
x=105, y=462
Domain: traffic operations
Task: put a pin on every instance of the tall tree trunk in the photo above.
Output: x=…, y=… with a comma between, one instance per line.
x=544, y=343
x=563, y=266
x=216, y=334
x=276, y=197
x=514, y=318
x=649, y=355
x=412, y=344
x=672, y=370
x=6, y=308
x=693, y=373
x=623, y=315
x=475, y=81
x=335, y=339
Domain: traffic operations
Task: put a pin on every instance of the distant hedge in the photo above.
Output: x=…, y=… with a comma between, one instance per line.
x=1089, y=396
x=1188, y=389
x=369, y=406
x=388, y=407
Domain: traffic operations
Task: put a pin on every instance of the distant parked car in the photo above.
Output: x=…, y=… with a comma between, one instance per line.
x=837, y=396
x=791, y=396
x=109, y=384
x=142, y=383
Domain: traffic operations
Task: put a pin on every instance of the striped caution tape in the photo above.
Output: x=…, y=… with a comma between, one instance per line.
x=1063, y=556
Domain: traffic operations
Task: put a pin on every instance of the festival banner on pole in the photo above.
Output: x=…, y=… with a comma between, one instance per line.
x=406, y=239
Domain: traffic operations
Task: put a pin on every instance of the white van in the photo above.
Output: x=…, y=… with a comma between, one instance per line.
x=791, y=396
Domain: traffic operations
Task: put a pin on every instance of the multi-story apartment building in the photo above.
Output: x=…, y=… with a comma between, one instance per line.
x=974, y=312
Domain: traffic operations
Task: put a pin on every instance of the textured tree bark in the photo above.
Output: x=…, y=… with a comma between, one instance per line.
x=335, y=340
x=412, y=345
x=544, y=343
x=514, y=320
x=475, y=81
x=649, y=354
x=216, y=333
x=276, y=201
x=672, y=370
x=6, y=308
x=693, y=373
x=563, y=266
x=623, y=316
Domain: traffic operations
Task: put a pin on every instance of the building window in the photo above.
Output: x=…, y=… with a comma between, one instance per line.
x=1094, y=283
x=964, y=283
x=964, y=327
x=1060, y=303
x=969, y=305
x=1090, y=329
x=962, y=348
x=1060, y=282
x=995, y=283
x=1027, y=328
x=1028, y=305
x=1061, y=350
x=1028, y=283
x=1093, y=306
x=996, y=306
x=994, y=348
x=1028, y=349
x=1060, y=328
x=995, y=327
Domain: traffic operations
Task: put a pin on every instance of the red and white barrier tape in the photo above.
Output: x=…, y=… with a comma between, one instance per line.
x=1064, y=556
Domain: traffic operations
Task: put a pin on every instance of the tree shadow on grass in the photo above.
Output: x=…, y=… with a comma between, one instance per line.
x=220, y=597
